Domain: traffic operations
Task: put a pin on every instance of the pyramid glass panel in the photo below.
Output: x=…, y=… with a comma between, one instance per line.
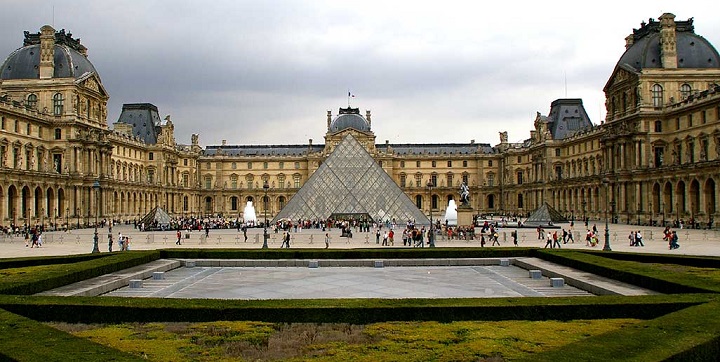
x=349, y=181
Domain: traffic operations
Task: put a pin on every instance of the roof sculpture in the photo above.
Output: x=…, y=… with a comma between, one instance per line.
x=351, y=182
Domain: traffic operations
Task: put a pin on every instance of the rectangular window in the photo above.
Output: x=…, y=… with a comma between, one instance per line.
x=464, y=163
x=151, y=156
x=449, y=163
x=185, y=180
x=249, y=165
x=558, y=172
x=40, y=132
x=433, y=179
x=658, y=126
x=17, y=126
x=28, y=129
x=2, y=123
x=185, y=163
x=403, y=180
x=297, y=182
x=489, y=163
x=151, y=176
x=491, y=180
x=417, y=163
x=380, y=163
x=234, y=165
x=449, y=179
x=703, y=116
x=208, y=183
x=57, y=162
x=677, y=124
x=233, y=183
x=265, y=165
x=281, y=184
x=402, y=163
x=520, y=158
x=690, y=120
x=465, y=179
x=519, y=177
x=434, y=164
x=557, y=152
x=281, y=165
x=297, y=165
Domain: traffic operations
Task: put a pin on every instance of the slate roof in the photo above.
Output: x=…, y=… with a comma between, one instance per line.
x=143, y=117
x=567, y=117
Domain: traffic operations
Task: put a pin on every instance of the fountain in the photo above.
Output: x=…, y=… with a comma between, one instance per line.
x=451, y=213
x=249, y=214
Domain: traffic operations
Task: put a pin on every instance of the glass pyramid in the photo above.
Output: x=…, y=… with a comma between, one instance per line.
x=350, y=182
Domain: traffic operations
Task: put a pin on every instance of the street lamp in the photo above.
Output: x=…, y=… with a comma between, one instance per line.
x=77, y=214
x=265, y=199
x=606, y=247
x=431, y=233
x=638, y=214
x=67, y=221
x=583, y=203
x=55, y=215
x=663, y=212
x=96, y=187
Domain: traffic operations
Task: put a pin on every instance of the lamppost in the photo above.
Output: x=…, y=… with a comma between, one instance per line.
x=77, y=214
x=55, y=215
x=638, y=214
x=265, y=232
x=583, y=203
x=663, y=213
x=606, y=247
x=67, y=221
x=42, y=218
x=431, y=233
x=96, y=187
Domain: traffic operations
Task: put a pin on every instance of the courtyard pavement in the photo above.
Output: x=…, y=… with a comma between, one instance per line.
x=692, y=242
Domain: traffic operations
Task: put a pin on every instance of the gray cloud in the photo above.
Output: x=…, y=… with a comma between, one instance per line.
x=267, y=71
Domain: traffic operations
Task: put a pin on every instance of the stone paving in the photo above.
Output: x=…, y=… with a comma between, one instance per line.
x=692, y=242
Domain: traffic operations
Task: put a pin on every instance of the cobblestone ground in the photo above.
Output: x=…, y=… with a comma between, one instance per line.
x=692, y=242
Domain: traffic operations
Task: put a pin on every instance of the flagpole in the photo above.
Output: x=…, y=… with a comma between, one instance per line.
x=348, y=97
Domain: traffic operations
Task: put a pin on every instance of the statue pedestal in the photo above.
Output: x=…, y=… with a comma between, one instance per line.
x=465, y=216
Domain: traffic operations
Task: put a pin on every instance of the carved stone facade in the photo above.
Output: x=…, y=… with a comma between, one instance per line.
x=655, y=157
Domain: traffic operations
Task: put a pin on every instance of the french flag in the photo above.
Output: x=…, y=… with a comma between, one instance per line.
x=351, y=95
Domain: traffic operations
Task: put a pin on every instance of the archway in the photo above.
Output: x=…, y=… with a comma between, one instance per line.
x=491, y=201
x=681, y=200
x=208, y=205
x=694, y=198
x=709, y=191
x=12, y=198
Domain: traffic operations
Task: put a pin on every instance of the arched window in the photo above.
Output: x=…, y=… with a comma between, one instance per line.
x=685, y=91
x=32, y=100
x=57, y=104
x=657, y=95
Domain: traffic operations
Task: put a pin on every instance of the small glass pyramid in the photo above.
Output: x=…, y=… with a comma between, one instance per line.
x=350, y=183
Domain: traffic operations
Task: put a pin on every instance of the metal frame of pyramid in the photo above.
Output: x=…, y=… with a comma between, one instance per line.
x=351, y=182
x=156, y=214
x=544, y=216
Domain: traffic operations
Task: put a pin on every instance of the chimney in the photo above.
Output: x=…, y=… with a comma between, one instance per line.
x=309, y=144
x=224, y=142
x=367, y=116
x=47, y=52
x=329, y=119
x=629, y=41
x=668, y=41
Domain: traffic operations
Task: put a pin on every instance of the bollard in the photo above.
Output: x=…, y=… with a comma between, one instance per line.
x=164, y=239
x=158, y=275
x=257, y=239
x=77, y=239
x=367, y=239
x=237, y=239
x=311, y=238
x=557, y=282
x=379, y=264
x=190, y=264
x=504, y=262
x=313, y=264
x=535, y=274
x=218, y=240
x=136, y=283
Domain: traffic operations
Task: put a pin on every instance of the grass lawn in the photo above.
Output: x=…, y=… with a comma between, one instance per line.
x=390, y=341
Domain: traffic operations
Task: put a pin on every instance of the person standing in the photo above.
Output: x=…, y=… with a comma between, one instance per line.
x=110, y=242
x=179, y=234
x=514, y=237
x=327, y=240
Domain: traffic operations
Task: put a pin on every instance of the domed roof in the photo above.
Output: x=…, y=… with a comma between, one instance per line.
x=24, y=63
x=693, y=51
x=349, y=118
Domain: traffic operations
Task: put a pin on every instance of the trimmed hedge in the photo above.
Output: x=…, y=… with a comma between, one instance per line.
x=686, y=260
x=354, y=311
x=64, y=274
x=375, y=253
x=48, y=260
x=22, y=339
x=628, y=272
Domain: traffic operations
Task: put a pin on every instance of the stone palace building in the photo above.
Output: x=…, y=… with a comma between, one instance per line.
x=654, y=158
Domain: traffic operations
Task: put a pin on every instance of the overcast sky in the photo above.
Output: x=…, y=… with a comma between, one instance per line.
x=266, y=72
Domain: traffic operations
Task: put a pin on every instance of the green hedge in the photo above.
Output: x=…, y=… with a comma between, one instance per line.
x=57, y=275
x=379, y=253
x=354, y=311
x=686, y=260
x=47, y=260
x=629, y=272
x=22, y=339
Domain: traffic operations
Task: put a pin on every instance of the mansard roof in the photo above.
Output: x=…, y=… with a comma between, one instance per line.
x=144, y=118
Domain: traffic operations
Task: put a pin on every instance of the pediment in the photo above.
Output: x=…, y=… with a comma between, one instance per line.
x=621, y=74
x=91, y=82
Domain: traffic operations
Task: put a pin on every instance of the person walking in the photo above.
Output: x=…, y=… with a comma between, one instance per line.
x=549, y=240
x=674, y=241
x=638, y=239
x=179, y=234
x=514, y=237
x=631, y=237
x=327, y=240
x=556, y=241
x=110, y=242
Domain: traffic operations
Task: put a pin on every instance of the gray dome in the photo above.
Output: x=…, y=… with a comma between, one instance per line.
x=693, y=51
x=24, y=63
x=345, y=121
